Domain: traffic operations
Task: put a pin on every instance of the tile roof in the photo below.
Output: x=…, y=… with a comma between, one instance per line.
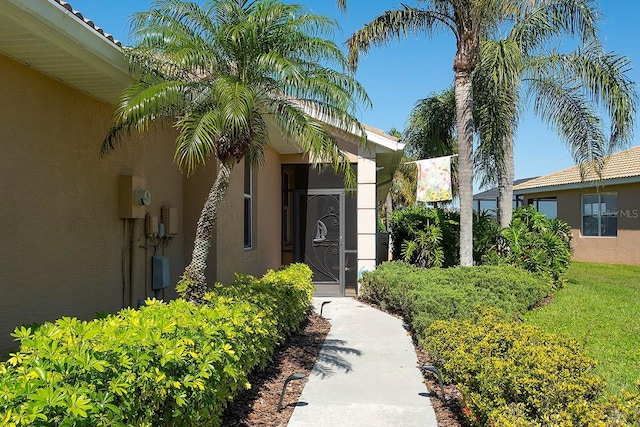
x=624, y=164
x=87, y=21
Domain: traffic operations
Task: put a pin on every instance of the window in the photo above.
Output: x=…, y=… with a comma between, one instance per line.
x=286, y=208
x=248, y=201
x=546, y=205
x=600, y=214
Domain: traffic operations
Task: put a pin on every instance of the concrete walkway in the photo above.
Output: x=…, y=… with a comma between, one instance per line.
x=365, y=375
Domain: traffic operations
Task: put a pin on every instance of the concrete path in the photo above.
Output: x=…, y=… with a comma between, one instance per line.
x=365, y=375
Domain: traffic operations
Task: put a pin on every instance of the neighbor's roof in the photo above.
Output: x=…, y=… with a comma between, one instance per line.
x=621, y=167
x=492, y=194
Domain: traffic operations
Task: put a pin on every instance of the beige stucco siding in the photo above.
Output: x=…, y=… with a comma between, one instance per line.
x=622, y=249
x=265, y=251
x=62, y=238
x=196, y=189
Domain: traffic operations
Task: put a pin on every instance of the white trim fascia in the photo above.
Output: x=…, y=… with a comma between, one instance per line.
x=382, y=141
x=59, y=26
x=578, y=185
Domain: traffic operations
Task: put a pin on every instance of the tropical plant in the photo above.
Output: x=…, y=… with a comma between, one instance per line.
x=534, y=243
x=431, y=126
x=467, y=20
x=569, y=91
x=217, y=71
x=425, y=236
x=430, y=131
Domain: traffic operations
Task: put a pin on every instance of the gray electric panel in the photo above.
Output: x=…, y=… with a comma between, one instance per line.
x=160, y=273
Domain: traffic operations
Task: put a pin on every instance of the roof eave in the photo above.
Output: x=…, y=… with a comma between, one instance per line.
x=56, y=24
x=578, y=185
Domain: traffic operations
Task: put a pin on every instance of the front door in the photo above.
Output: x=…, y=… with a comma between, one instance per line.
x=319, y=233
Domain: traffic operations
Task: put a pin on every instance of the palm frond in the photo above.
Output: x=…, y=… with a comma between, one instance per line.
x=603, y=77
x=431, y=126
x=395, y=24
x=572, y=116
x=551, y=19
x=216, y=69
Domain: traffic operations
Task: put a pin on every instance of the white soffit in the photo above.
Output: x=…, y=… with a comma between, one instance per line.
x=49, y=38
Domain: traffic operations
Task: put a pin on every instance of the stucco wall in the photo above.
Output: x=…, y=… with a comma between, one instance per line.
x=196, y=189
x=265, y=253
x=622, y=249
x=63, y=245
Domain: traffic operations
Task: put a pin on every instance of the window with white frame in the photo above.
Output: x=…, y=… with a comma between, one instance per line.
x=600, y=214
x=248, y=202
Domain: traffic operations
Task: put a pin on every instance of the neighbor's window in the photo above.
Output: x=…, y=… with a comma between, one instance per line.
x=600, y=214
x=248, y=201
x=546, y=205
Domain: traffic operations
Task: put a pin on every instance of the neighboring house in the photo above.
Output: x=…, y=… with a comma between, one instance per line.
x=79, y=232
x=603, y=211
x=487, y=201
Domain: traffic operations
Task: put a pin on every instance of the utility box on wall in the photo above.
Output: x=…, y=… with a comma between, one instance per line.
x=169, y=217
x=128, y=208
x=160, y=272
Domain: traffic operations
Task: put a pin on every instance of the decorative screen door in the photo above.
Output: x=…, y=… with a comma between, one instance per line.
x=319, y=230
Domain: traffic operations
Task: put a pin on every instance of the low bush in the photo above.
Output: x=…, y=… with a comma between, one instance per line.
x=624, y=410
x=390, y=284
x=455, y=293
x=170, y=364
x=423, y=296
x=513, y=374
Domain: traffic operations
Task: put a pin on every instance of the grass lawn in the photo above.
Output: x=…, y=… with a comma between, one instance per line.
x=600, y=307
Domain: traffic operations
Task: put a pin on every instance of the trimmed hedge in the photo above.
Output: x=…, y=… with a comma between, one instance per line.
x=423, y=296
x=171, y=364
x=513, y=374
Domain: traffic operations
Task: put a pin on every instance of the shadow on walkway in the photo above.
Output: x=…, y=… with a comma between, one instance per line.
x=331, y=358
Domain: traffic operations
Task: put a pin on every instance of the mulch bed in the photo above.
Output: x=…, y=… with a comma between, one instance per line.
x=258, y=405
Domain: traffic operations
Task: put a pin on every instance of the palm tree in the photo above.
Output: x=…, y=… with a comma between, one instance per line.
x=431, y=127
x=217, y=71
x=568, y=91
x=467, y=20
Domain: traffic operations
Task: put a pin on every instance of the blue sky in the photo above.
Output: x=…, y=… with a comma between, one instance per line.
x=397, y=75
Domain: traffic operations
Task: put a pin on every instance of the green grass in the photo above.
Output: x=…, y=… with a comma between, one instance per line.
x=600, y=307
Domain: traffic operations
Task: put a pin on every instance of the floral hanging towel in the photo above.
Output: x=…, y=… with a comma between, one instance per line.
x=434, y=179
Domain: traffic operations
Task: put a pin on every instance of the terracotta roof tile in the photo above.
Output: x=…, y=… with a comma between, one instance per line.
x=624, y=164
x=89, y=22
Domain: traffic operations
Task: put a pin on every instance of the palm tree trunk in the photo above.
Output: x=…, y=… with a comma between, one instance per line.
x=388, y=207
x=505, y=185
x=194, y=274
x=464, y=124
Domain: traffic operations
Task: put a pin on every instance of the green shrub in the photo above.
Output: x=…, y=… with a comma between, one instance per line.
x=170, y=364
x=390, y=284
x=624, y=410
x=426, y=237
x=455, y=293
x=534, y=243
x=513, y=374
x=423, y=296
